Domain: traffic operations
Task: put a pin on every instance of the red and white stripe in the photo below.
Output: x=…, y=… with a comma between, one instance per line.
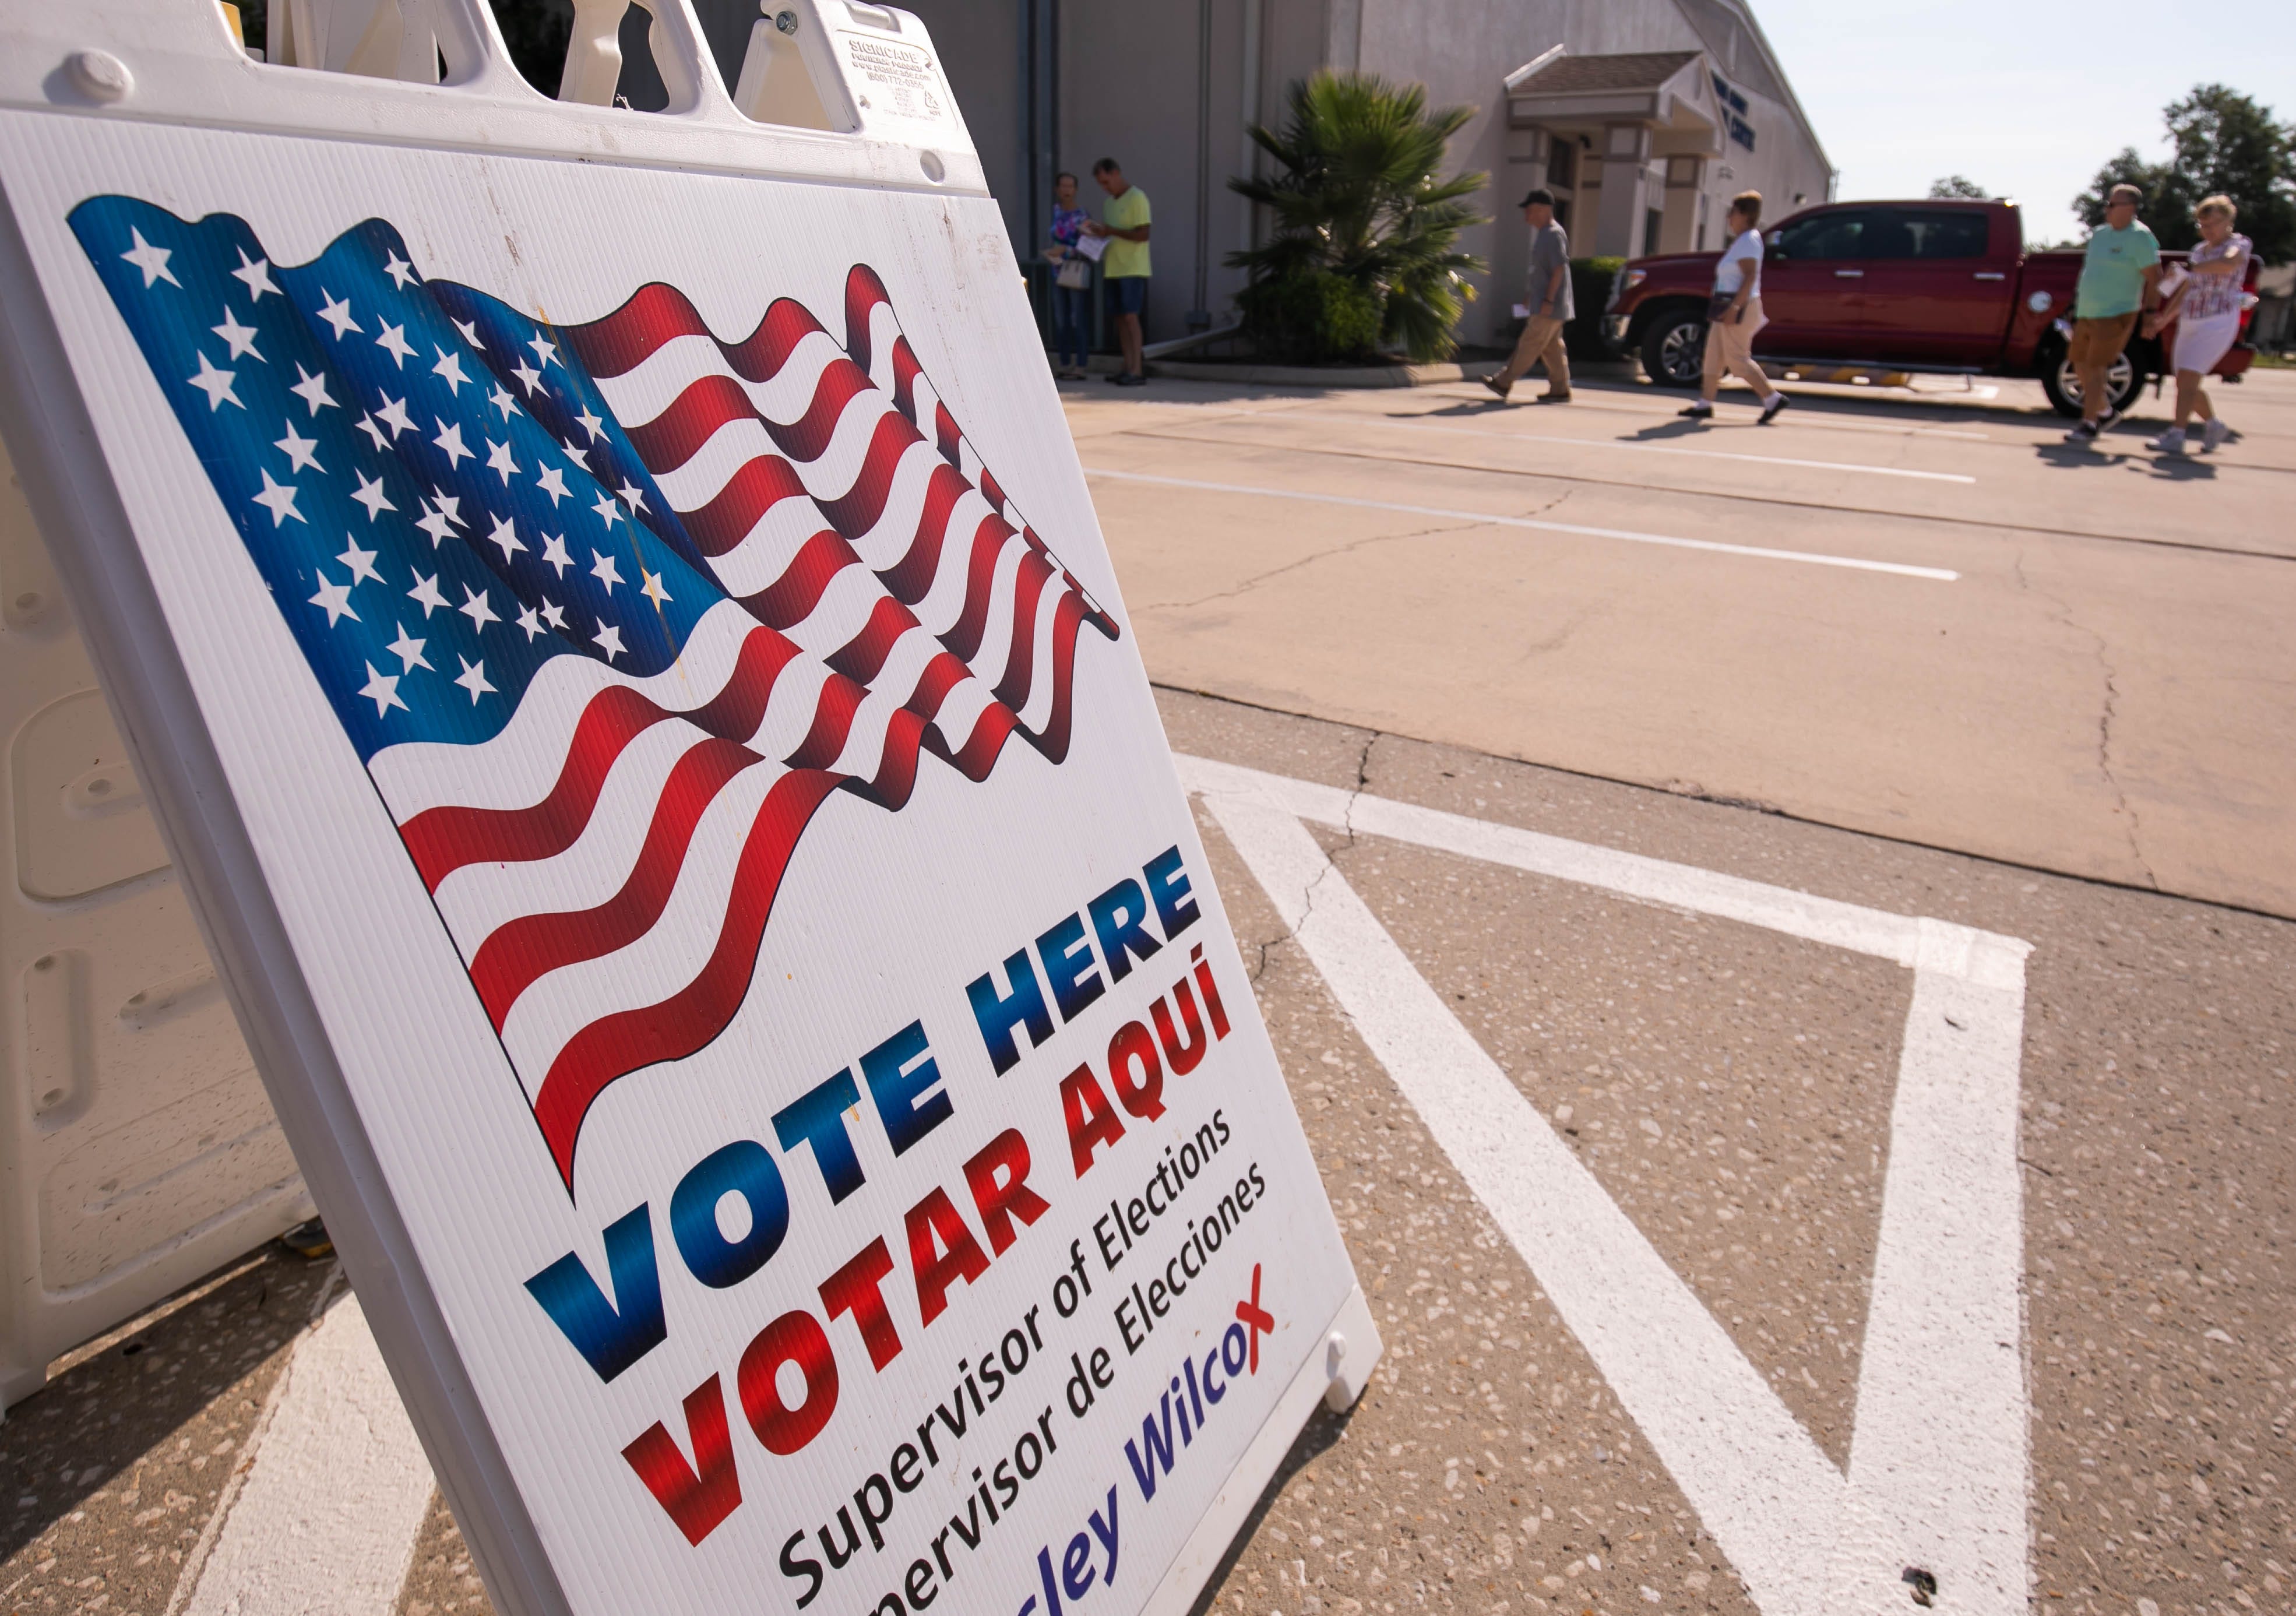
x=607, y=862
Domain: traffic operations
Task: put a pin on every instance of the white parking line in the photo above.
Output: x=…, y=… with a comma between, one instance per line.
x=329, y=1492
x=1668, y=449
x=1485, y=518
x=1937, y=1474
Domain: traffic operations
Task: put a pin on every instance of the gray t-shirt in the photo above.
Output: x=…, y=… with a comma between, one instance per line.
x=1550, y=249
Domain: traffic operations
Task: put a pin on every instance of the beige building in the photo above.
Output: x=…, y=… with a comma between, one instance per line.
x=1643, y=116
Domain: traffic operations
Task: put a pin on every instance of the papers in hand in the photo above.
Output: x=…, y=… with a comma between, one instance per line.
x=1093, y=247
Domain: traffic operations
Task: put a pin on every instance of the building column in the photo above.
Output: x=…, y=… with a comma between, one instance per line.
x=1625, y=182
x=1684, y=177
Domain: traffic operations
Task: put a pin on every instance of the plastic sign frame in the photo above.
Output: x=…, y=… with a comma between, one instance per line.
x=968, y=1241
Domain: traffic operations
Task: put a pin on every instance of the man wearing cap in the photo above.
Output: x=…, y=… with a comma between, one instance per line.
x=1549, y=305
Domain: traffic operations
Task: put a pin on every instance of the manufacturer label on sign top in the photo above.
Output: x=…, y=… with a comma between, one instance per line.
x=626, y=658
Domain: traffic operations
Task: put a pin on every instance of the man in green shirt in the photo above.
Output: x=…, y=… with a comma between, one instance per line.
x=1124, y=224
x=2119, y=278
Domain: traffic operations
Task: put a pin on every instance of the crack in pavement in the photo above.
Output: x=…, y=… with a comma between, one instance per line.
x=1330, y=859
x=1349, y=548
x=1253, y=582
x=2108, y=710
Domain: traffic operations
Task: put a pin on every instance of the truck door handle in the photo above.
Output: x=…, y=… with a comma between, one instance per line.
x=1989, y=274
x=1848, y=274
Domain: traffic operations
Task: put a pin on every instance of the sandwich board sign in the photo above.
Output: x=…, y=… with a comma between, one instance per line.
x=607, y=609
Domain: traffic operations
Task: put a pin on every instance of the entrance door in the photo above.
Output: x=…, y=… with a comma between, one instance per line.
x=1813, y=285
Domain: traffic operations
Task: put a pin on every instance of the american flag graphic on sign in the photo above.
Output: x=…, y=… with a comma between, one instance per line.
x=608, y=610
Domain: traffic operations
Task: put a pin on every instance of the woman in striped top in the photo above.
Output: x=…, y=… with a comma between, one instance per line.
x=2207, y=308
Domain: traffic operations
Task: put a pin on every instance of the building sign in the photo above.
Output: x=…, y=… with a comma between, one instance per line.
x=663, y=658
x=1734, y=112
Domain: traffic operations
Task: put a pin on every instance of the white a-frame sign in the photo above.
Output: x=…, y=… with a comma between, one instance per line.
x=606, y=608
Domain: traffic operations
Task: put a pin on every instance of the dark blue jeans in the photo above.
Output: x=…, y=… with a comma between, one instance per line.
x=1071, y=324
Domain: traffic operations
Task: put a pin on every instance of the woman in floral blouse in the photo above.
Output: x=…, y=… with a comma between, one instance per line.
x=2207, y=308
x=1072, y=286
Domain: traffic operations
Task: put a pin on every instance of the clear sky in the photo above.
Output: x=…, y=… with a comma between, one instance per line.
x=2028, y=99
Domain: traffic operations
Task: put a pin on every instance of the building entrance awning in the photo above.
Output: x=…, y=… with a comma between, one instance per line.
x=1673, y=94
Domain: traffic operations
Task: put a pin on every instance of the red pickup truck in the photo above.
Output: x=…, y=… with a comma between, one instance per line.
x=1944, y=287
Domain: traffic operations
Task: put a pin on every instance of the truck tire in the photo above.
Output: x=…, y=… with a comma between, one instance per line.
x=1674, y=346
x=2064, y=389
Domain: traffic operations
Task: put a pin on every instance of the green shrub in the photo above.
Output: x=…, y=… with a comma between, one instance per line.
x=1310, y=316
x=1359, y=197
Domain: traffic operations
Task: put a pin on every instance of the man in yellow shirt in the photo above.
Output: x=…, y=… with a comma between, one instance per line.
x=1124, y=224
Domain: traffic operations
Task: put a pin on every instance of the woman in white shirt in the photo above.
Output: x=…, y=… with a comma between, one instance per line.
x=1734, y=314
x=2206, y=307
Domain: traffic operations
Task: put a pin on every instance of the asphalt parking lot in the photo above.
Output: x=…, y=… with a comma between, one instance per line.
x=1782, y=1037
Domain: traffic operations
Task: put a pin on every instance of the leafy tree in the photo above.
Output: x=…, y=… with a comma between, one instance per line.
x=1357, y=197
x=1960, y=186
x=2225, y=143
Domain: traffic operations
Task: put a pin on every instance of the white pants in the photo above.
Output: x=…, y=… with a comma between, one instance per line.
x=2200, y=343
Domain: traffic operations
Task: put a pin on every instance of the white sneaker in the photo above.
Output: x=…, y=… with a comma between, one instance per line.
x=2170, y=442
x=2214, y=434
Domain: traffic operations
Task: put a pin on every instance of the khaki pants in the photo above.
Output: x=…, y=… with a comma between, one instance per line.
x=2096, y=345
x=1541, y=339
x=1730, y=346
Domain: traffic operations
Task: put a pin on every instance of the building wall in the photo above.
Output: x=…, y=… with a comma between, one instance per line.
x=1126, y=85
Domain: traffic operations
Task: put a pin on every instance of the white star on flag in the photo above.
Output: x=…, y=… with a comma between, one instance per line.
x=554, y=551
x=240, y=338
x=591, y=424
x=256, y=274
x=545, y=353
x=433, y=522
x=360, y=561
x=529, y=377
x=450, y=439
x=393, y=414
x=313, y=390
x=336, y=598
x=399, y=270
x=215, y=383
x=381, y=689
x=553, y=614
x=470, y=333
x=394, y=343
x=652, y=589
x=476, y=607
x=632, y=496
x=451, y=504
x=505, y=535
x=408, y=650
x=610, y=640
x=502, y=400
x=607, y=510
x=373, y=429
x=553, y=482
x=279, y=499
x=605, y=572
x=474, y=678
x=370, y=495
x=425, y=594
x=449, y=367
x=337, y=312
x=530, y=620
x=151, y=261
x=499, y=461
x=299, y=451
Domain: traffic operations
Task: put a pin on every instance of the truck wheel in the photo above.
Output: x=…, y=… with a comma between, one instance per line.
x=2062, y=383
x=1674, y=348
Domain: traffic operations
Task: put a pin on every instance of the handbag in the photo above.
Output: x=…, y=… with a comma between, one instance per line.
x=1717, y=308
x=1076, y=273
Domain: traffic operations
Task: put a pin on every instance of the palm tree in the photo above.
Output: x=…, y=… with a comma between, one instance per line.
x=1365, y=239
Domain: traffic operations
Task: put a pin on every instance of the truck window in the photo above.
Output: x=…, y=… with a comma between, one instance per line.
x=1920, y=233
x=1824, y=235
